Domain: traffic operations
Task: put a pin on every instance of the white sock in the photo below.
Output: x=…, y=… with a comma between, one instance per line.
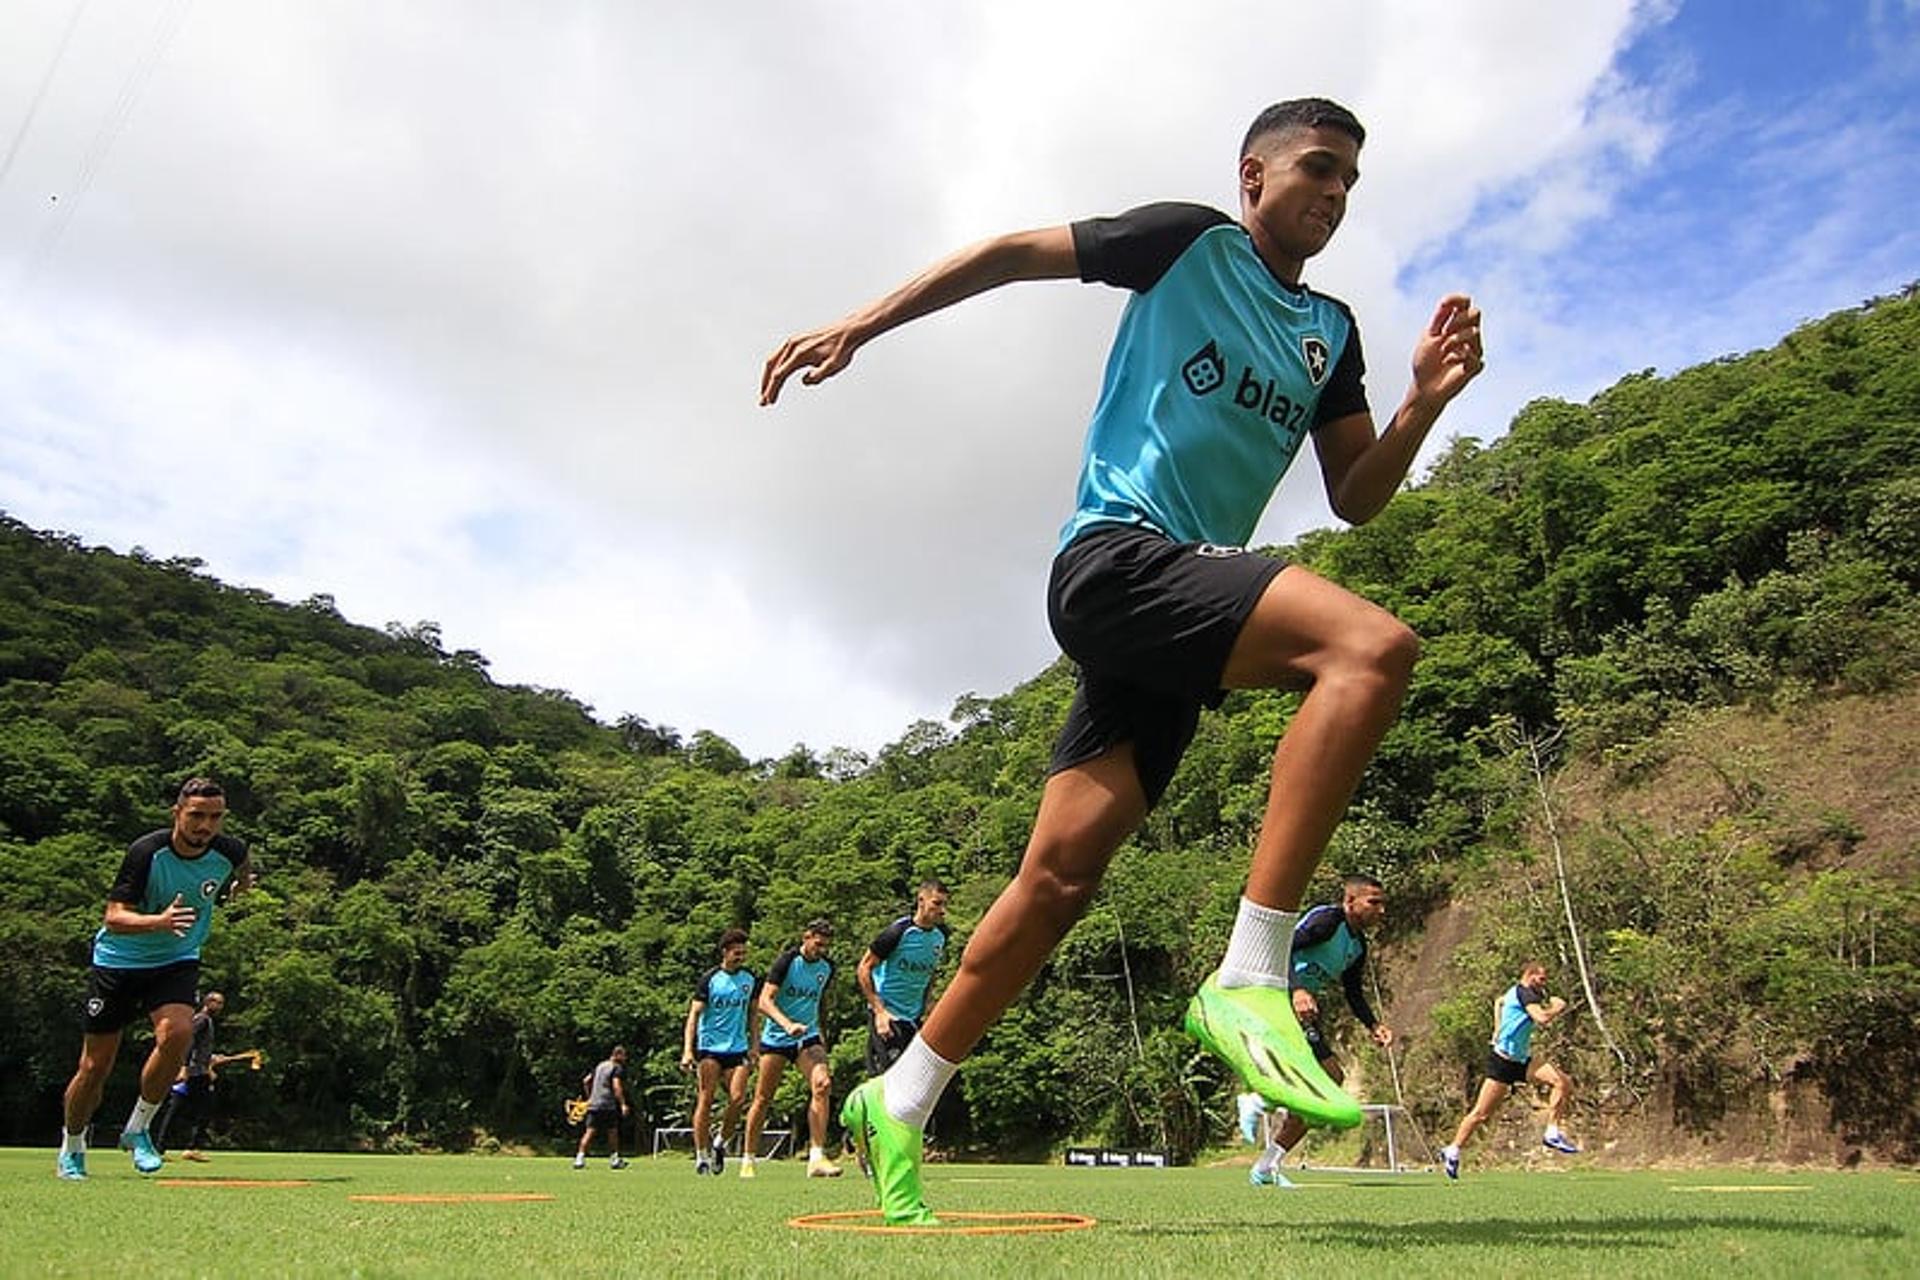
x=1261, y=948
x=73, y=1143
x=914, y=1083
x=143, y=1112
x=1553, y=1131
x=816, y=1153
x=1270, y=1158
x=1451, y=1151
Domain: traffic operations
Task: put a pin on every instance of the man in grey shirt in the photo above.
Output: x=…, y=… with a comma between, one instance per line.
x=606, y=1088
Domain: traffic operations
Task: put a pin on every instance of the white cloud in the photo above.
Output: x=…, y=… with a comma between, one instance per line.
x=471, y=304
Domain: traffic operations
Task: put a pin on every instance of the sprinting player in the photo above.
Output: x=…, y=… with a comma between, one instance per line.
x=606, y=1090
x=192, y=1094
x=1222, y=366
x=146, y=959
x=722, y=1023
x=790, y=1032
x=1329, y=946
x=1520, y=1009
x=896, y=975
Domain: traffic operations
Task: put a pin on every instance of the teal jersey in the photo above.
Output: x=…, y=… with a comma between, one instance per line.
x=1218, y=371
x=1512, y=1025
x=150, y=877
x=1326, y=950
x=908, y=957
x=798, y=983
x=722, y=1025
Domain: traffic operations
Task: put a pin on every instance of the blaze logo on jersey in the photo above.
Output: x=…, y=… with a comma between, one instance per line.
x=1204, y=370
x=1314, y=348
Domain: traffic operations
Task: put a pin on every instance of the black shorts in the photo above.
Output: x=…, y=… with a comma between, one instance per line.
x=1151, y=623
x=603, y=1118
x=727, y=1061
x=116, y=997
x=1322, y=1051
x=884, y=1051
x=1504, y=1070
x=791, y=1052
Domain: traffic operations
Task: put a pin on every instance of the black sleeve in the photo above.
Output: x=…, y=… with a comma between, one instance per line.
x=234, y=850
x=1525, y=995
x=703, y=990
x=1136, y=248
x=889, y=937
x=778, y=974
x=1356, y=996
x=1346, y=390
x=130, y=883
x=1317, y=925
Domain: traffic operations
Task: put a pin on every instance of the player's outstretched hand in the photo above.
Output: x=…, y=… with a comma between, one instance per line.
x=1450, y=353
x=822, y=353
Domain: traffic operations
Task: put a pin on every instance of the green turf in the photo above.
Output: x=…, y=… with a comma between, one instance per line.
x=657, y=1218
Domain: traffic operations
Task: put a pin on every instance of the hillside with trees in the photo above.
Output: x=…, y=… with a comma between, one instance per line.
x=1661, y=731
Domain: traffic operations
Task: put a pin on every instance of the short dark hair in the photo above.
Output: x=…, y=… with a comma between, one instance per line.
x=929, y=885
x=732, y=937
x=1303, y=113
x=1360, y=880
x=820, y=925
x=200, y=787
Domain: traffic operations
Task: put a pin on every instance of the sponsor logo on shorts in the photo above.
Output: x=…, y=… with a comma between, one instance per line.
x=1214, y=551
x=94, y=1006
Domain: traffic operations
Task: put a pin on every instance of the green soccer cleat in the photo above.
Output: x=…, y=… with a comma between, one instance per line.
x=892, y=1150
x=1253, y=1030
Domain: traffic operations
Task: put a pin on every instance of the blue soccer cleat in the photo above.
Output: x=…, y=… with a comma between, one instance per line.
x=145, y=1158
x=72, y=1166
x=1561, y=1143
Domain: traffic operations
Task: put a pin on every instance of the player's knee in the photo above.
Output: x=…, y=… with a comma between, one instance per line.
x=1389, y=648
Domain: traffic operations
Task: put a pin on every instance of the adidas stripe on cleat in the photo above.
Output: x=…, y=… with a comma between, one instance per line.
x=1254, y=1031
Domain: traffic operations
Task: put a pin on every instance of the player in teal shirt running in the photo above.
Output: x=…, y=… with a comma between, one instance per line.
x=896, y=975
x=1223, y=365
x=722, y=1019
x=1329, y=948
x=790, y=1032
x=146, y=960
x=1520, y=1008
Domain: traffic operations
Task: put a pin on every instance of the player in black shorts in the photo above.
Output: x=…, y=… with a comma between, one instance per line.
x=146, y=963
x=1223, y=365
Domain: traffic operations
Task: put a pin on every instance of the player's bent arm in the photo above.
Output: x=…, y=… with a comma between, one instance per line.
x=766, y=1008
x=1043, y=254
x=120, y=917
x=1363, y=470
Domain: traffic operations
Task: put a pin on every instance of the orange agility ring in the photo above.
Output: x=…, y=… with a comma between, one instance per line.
x=950, y=1224
x=234, y=1182
x=503, y=1197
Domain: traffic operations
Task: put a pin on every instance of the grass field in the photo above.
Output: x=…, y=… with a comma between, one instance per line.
x=656, y=1218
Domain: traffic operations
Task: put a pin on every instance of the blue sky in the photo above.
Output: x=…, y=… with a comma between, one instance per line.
x=458, y=315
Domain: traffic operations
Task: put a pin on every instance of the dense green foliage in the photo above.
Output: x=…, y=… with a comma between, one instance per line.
x=471, y=890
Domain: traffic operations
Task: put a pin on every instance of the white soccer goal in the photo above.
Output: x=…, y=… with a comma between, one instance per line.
x=675, y=1140
x=1389, y=1142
